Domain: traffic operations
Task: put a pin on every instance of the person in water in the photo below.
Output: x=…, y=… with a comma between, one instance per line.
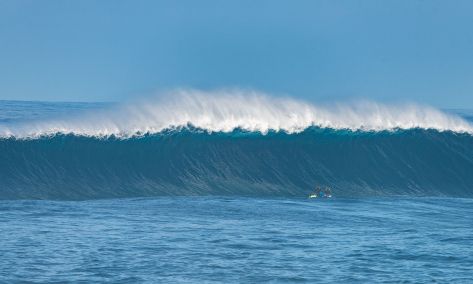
x=326, y=192
x=318, y=192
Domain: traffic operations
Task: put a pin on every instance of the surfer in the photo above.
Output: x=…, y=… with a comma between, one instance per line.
x=326, y=192
x=317, y=193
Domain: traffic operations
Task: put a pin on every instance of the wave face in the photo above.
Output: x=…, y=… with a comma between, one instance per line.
x=195, y=162
x=231, y=143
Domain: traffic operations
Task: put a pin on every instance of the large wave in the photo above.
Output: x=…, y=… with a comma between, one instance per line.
x=192, y=162
x=195, y=143
x=229, y=110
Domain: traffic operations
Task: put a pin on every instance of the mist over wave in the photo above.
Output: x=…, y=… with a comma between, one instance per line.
x=225, y=111
x=231, y=143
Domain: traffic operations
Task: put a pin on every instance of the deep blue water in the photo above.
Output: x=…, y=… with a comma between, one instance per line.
x=187, y=206
x=246, y=240
x=186, y=162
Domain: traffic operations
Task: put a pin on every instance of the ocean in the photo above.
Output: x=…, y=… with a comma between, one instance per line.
x=201, y=188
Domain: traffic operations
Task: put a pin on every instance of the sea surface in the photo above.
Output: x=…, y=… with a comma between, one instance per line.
x=246, y=240
x=93, y=193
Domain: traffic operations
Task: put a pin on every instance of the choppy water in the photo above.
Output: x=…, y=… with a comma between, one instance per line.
x=247, y=240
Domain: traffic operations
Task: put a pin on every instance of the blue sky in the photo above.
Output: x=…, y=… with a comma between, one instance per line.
x=317, y=50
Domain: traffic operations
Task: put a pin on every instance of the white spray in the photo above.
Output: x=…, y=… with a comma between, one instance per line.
x=226, y=110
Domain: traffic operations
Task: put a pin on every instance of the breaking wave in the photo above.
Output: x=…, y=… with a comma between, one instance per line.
x=195, y=143
x=227, y=111
x=192, y=162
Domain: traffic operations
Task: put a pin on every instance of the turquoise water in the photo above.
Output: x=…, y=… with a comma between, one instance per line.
x=249, y=240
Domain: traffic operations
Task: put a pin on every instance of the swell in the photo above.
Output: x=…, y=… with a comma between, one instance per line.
x=192, y=162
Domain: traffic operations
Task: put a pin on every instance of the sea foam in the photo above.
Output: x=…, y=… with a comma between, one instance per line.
x=226, y=110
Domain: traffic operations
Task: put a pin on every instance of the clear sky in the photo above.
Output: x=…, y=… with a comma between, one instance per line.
x=317, y=50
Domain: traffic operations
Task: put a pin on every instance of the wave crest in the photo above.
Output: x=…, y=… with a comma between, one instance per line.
x=225, y=111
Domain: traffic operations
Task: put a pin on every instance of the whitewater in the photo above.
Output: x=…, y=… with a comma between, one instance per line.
x=218, y=182
x=227, y=110
x=240, y=143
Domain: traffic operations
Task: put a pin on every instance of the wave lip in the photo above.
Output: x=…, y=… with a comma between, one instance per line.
x=225, y=111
